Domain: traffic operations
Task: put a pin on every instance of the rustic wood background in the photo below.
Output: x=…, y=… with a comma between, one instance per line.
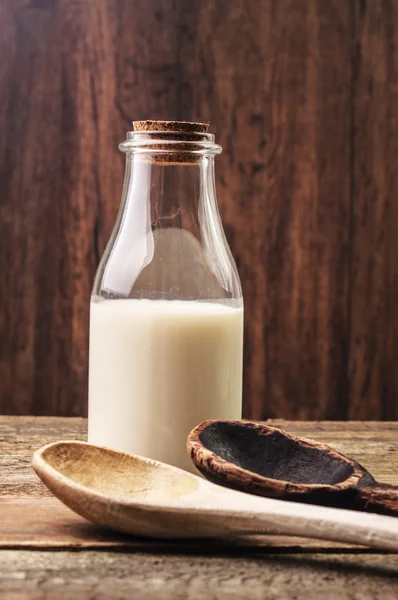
x=302, y=94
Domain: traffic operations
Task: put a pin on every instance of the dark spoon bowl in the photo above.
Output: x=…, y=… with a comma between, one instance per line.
x=269, y=462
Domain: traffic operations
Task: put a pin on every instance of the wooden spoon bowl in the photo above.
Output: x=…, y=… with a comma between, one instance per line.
x=266, y=461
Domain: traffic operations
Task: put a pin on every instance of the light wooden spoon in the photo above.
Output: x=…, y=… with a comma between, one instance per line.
x=139, y=496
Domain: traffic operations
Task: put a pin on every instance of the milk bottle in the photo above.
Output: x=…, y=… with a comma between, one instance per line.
x=166, y=316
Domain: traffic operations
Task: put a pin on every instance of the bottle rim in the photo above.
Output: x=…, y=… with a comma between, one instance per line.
x=166, y=142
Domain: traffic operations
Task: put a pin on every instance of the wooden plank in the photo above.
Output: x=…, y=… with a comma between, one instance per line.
x=30, y=116
x=374, y=268
x=103, y=575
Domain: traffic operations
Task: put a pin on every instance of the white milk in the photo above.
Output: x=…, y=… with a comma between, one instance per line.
x=157, y=369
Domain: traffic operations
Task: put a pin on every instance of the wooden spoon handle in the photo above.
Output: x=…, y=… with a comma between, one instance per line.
x=262, y=515
x=379, y=497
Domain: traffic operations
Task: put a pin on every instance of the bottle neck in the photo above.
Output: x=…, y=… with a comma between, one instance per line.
x=175, y=195
x=168, y=242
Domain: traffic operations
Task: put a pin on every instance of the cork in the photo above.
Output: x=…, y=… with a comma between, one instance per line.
x=176, y=126
x=187, y=131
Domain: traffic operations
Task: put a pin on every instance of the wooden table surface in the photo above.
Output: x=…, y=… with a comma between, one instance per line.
x=46, y=551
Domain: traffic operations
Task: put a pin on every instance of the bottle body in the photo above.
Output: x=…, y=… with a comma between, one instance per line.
x=174, y=363
x=166, y=315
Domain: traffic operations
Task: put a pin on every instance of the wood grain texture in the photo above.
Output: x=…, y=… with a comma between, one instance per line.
x=374, y=265
x=120, y=567
x=111, y=575
x=302, y=96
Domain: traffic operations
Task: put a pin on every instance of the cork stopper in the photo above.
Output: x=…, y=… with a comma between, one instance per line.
x=176, y=126
x=186, y=131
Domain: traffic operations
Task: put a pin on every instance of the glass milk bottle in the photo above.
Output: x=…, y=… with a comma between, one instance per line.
x=166, y=315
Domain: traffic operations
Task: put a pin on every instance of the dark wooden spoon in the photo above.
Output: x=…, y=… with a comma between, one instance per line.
x=266, y=461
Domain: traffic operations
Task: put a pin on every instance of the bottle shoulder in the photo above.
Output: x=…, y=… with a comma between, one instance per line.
x=167, y=263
